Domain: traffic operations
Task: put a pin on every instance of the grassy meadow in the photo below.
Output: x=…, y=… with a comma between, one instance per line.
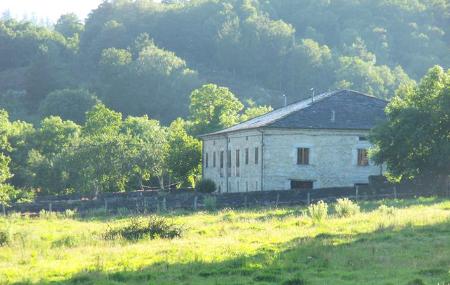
x=403, y=242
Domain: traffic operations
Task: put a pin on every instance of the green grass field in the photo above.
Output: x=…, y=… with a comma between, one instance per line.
x=409, y=244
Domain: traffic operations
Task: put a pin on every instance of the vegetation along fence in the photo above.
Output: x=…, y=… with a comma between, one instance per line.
x=154, y=201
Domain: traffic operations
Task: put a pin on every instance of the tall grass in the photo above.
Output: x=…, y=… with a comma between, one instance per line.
x=388, y=244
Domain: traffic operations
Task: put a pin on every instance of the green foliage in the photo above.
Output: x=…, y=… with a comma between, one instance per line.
x=69, y=25
x=138, y=228
x=415, y=141
x=69, y=104
x=4, y=238
x=183, y=159
x=318, y=212
x=346, y=208
x=213, y=108
x=206, y=186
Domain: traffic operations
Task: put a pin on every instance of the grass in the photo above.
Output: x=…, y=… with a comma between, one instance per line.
x=407, y=244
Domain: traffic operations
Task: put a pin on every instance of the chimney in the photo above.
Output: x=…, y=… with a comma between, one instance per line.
x=333, y=116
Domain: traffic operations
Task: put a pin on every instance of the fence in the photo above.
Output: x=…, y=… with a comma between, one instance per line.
x=153, y=201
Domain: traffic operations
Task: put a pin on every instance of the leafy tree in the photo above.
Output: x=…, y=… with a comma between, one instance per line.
x=415, y=141
x=45, y=164
x=148, y=148
x=69, y=104
x=213, y=108
x=253, y=111
x=184, y=156
x=101, y=121
x=69, y=25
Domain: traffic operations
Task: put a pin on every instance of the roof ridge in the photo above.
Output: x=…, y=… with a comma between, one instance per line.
x=280, y=113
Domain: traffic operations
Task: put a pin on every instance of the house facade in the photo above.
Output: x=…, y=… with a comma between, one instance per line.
x=315, y=143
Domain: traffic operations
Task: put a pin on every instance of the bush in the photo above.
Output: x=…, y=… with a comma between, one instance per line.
x=206, y=186
x=70, y=214
x=346, y=208
x=4, y=238
x=386, y=210
x=318, y=212
x=210, y=203
x=138, y=228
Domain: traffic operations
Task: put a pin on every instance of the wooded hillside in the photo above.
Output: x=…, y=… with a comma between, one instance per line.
x=141, y=57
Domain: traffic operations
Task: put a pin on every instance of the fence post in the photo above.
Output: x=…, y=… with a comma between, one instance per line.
x=164, y=206
x=308, y=200
x=245, y=201
x=395, y=192
x=356, y=192
x=195, y=202
x=278, y=200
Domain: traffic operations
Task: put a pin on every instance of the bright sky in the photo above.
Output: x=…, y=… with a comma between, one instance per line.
x=47, y=9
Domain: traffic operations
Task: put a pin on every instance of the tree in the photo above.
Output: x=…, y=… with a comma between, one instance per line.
x=184, y=157
x=69, y=104
x=5, y=174
x=47, y=168
x=213, y=108
x=148, y=149
x=253, y=111
x=69, y=25
x=415, y=140
x=101, y=121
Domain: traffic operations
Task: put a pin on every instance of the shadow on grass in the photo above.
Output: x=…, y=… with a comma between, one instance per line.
x=409, y=256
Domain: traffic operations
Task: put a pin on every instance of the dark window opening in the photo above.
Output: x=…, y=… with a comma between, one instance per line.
x=229, y=159
x=256, y=155
x=363, y=158
x=301, y=184
x=238, y=162
x=214, y=159
x=246, y=156
x=206, y=160
x=221, y=159
x=303, y=156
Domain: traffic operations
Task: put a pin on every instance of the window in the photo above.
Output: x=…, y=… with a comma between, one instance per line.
x=363, y=159
x=246, y=156
x=206, y=160
x=301, y=184
x=229, y=159
x=238, y=162
x=221, y=159
x=362, y=138
x=256, y=155
x=303, y=156
x=214, y=159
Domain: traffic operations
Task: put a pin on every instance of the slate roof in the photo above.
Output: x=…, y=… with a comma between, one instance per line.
x=352, y=111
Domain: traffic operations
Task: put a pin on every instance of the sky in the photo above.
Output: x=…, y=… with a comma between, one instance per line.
x=47, y=9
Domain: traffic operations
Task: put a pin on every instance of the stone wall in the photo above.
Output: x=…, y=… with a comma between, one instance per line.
x=333, y=159
x=151, y=201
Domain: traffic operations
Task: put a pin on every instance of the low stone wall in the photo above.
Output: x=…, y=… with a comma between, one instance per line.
x=153, y=201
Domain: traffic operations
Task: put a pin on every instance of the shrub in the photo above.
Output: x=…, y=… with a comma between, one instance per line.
x=138, y=228
x=346, y=208
x=210, y=203
x=386, y=210
x=46, y=214
x=4, y=238
x=70, y=214
x=318, y=212
x=206, y=186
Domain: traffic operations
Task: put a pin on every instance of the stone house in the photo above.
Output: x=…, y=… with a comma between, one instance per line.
x=315, y=143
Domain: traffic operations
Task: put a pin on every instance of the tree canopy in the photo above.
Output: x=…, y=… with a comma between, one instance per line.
x=415, y=141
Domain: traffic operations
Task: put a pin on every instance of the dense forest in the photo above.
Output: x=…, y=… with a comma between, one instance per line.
x=140, y=74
